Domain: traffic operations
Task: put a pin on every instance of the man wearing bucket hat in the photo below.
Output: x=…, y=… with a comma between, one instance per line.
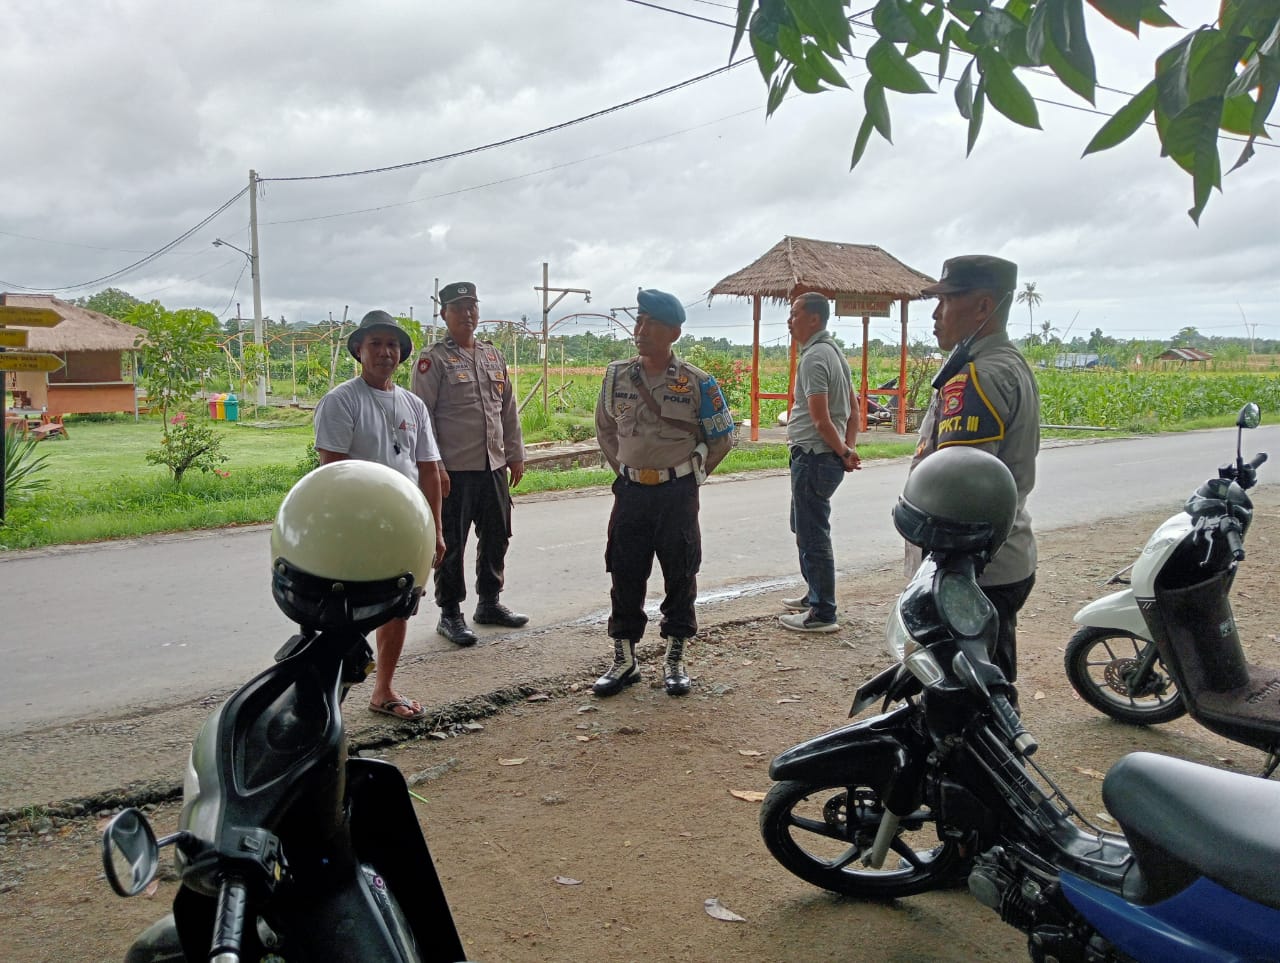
x=986, y=397
x=464, y=382
x=664, y=426
x=371, y=418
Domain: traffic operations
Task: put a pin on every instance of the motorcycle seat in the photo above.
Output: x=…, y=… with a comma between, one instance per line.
x=1184, y=820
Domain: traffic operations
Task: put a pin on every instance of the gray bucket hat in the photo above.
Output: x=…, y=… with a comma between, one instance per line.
x=379, y=319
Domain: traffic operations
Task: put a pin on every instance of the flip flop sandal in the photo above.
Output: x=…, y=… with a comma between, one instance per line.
x=389, y=708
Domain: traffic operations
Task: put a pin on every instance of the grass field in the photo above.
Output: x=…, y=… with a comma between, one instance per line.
x=99, y=485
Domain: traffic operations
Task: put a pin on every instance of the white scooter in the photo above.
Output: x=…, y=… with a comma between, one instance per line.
x=1167, y=644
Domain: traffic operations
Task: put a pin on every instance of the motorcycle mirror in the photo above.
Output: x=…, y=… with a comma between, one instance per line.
x=130, y=853
x=1250, y=416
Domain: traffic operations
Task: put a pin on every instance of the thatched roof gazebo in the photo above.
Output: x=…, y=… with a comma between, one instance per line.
x=92, y=346
x=862, y=279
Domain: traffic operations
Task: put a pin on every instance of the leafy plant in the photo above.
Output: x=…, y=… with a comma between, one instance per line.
x=186, y=445
x=1220, y=77
x=180, y=346
x=22, y=467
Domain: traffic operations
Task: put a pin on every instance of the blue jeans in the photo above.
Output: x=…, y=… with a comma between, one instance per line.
x=814, y=479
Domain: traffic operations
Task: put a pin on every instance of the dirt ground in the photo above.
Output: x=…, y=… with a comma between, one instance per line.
x=570, y=828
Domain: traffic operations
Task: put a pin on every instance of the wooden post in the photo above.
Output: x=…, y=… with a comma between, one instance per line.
x=755, y=368
x=902, y=373
x=862, y=400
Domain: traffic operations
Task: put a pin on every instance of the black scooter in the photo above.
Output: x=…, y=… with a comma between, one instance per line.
x=288, y=849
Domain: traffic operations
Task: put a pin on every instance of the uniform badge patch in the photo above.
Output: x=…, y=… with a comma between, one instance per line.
x=681, y=385
x=966, y=416
x=424, y=365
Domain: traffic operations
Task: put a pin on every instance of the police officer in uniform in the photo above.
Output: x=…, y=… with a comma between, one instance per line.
x=986, y=397
x=465, y=385
x=664, y=426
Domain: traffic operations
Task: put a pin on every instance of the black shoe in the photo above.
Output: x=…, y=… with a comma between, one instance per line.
x=454, y=628
x=622, y=673
x=676, y=679
x=495, y=613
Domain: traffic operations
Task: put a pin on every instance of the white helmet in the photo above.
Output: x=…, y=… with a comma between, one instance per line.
x=351, y=547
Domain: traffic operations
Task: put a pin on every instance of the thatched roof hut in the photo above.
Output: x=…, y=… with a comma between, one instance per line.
x=796, y=265
x=80, y=330
x=861, y=278
x=92, y=348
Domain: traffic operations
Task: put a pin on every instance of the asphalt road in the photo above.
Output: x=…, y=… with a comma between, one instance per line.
x=168, y=618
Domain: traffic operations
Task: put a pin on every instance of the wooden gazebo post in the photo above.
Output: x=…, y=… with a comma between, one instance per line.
x=901, y=427
x=755, y=368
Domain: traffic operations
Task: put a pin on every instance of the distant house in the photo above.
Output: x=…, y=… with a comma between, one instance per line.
x=92, y=347
x=1070, y=362
x=1184, y=356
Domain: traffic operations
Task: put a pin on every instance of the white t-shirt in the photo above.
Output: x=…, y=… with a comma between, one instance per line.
x=392, y=427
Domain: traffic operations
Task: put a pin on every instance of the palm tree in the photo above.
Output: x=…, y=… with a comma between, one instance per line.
x=1031, y=299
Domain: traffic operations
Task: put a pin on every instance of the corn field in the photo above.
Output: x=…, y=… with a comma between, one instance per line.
x=1132, y=400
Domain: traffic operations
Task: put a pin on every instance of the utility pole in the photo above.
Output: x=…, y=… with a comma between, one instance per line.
x=255, y=263
x=546, y=289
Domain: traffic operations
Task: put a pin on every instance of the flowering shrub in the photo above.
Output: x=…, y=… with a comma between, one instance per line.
x=188, y=445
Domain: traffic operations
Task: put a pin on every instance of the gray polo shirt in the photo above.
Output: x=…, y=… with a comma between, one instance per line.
x=821, y=370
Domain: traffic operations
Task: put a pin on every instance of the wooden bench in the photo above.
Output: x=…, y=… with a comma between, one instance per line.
x=50, y=426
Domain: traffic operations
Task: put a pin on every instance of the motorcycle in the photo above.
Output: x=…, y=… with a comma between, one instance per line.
x=940, y=788
x=1167, y=644
x=288, y=849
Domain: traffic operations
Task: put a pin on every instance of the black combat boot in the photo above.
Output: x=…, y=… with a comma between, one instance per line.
x=622, y=673
x=493, y=612
x=674, y=676
x=453, y=627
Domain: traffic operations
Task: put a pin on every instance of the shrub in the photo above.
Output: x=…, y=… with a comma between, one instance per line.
x=188, y=445
x=22, y=467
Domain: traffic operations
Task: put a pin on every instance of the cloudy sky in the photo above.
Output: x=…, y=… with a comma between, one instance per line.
x=129, y=122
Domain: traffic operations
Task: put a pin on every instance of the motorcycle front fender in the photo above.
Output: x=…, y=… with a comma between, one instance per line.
x=1118, y=611
x=875, y=748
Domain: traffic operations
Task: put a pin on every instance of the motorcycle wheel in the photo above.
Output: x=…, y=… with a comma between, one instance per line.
x=1099, y=662
x=819, y=831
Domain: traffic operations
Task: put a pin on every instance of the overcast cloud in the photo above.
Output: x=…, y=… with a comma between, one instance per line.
x=128, y=122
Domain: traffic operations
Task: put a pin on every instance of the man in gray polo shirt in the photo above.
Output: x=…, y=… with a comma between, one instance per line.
x=821, y=431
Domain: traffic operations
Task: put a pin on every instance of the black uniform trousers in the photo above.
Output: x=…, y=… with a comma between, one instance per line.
x=482, y=499
x=648, y=521
x=1008, y=600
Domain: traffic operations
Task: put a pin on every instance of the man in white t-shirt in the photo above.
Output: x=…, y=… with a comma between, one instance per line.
x=373, y=419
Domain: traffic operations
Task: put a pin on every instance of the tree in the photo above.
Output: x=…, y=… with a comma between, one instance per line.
x=180, y=346
x=1031, y=299
x=1220, y=77
x=110, y=301
x=1188, y=337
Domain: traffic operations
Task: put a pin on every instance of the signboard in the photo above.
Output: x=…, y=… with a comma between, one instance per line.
x=29, y=317
x=862, y=308
x=17, y=338
x=29, y=361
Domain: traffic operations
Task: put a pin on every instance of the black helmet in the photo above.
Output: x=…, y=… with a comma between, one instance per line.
x=958, y=500
x=351, y=547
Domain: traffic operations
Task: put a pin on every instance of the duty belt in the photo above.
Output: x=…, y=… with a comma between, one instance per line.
x=656, y=476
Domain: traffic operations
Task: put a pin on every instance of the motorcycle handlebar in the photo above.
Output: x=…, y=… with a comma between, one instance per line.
x=1023, y=742
x=228, y=928
x=1231, y=529
x=1257, y=460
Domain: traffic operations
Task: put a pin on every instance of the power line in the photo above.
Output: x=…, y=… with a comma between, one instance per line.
x=141, y=261
x=519, y=137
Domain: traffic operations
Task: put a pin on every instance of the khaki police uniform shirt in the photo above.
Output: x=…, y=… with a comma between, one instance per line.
x=993, y=404
x=630, y=433
x=472, y=405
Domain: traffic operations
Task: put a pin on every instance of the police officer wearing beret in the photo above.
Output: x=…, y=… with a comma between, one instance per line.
x=466, y=387
x=664, y=426
x=986, y=397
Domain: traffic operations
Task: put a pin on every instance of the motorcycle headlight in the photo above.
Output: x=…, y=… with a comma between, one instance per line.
x=903, y=647
x=962, y=605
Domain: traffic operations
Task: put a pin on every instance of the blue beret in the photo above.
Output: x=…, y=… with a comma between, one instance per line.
x=661, y=306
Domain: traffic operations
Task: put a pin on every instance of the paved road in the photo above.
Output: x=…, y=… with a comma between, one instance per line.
x=90, y=629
